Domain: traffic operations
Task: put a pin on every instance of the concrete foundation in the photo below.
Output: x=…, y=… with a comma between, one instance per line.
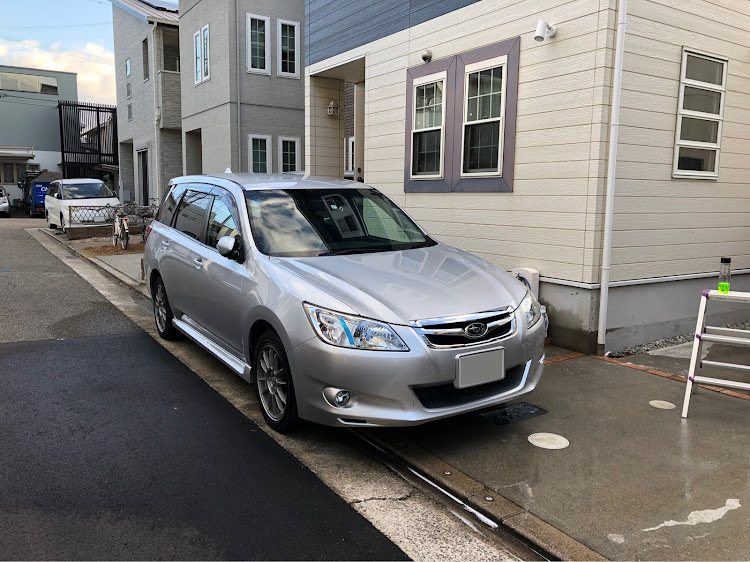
x=637, y=313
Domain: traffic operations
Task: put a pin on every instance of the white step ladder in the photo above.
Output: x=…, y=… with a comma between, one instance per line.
x=715, y=334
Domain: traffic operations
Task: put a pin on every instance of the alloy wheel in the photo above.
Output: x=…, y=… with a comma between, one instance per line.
x=160, y=307
x=272, y=382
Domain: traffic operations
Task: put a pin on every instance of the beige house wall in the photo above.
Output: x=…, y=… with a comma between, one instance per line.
x=551, y=221
x=665, y=226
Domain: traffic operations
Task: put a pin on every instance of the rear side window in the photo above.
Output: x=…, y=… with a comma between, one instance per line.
x=169, y=205
x=191, y=214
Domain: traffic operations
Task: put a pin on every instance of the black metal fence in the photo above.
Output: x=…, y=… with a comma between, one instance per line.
x=88, y=139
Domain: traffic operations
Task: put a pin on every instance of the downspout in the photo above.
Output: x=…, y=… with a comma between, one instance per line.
x=239, y=81
x=614, y=129
x=157, y=120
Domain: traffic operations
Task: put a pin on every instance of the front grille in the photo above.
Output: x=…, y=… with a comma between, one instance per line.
x=446, y=395
x=451, y=331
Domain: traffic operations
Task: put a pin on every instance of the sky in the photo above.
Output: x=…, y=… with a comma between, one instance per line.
x=69, y=35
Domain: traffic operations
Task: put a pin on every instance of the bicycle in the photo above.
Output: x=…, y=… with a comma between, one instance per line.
x=120, y=229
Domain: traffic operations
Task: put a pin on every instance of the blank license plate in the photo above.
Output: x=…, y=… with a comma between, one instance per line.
x=479, y=368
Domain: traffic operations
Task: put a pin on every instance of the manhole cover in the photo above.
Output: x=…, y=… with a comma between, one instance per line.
x=513, y=413
x=548, y=440
x=662, y=404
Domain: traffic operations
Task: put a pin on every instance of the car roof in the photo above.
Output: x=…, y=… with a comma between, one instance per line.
x=76, y=180
x=289, y=180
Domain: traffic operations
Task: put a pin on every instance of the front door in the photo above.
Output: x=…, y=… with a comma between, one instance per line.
x=221, y=280
x=143, y=176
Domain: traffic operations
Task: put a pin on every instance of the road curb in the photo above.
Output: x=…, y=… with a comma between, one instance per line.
x=512, y=517
x=140, y=287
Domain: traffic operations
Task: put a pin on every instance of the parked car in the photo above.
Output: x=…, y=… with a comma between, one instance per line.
x=4, y=202
x=79, y=202
x=335, y=303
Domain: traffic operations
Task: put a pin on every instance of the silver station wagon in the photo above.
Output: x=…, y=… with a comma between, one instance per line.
x=335, y=304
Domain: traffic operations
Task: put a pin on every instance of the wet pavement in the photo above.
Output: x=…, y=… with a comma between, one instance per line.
x=676, y=361
x=636, y=482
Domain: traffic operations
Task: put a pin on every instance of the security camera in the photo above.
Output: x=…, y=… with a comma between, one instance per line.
x=543, y=29
x=427, y=56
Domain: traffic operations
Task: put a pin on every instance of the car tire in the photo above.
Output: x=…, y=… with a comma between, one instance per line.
x=162, y=312
x=273, y=384
x=49, y=224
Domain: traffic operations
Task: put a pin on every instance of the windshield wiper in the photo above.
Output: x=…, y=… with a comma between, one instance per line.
x=350, y=251
x=424, y=244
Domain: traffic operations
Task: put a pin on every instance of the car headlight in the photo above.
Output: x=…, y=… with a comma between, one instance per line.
x=530, y=310
x=344, y=330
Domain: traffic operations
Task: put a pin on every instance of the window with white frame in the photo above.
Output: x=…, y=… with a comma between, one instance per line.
x=127, y=67
x=128, y=91
x=201, y=55
x=260, y=154
x=144, y=54
x=258, y=44
x=428, y=127
x=349, y=154
x=484, y=113
x=700, y=115
x=130, y=112
x=288, y=154
x=288, y=48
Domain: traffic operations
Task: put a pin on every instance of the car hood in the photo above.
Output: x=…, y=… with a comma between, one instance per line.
x=399, y=287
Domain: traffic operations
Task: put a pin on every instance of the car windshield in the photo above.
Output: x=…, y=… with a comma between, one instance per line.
x=93, y=189
x=326, y=222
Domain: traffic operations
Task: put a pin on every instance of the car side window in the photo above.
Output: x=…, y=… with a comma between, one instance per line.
x=191, y=214
x=221, y=222
x=169, y=206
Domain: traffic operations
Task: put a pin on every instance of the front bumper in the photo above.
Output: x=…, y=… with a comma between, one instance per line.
x=4, y=207
x=407, y=388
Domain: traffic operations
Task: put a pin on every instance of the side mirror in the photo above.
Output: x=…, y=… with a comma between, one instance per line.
x=57, y=195
x=229, y=247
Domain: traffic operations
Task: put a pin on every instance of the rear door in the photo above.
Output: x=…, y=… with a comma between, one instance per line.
x=181, y=272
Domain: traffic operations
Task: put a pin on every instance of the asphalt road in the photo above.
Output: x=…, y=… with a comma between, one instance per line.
x=113, y=449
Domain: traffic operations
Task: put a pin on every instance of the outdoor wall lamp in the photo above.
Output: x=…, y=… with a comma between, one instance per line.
x=333, y=109
x=543, y=29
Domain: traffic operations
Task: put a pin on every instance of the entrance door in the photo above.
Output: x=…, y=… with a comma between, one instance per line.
x=143, y=175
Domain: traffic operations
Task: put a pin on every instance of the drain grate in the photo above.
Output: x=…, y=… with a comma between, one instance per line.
x=513, y=413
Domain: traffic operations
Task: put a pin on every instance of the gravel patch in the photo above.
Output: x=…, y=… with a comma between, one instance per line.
x=667, y=342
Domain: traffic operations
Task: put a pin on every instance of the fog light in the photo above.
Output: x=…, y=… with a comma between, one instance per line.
x=342, y=398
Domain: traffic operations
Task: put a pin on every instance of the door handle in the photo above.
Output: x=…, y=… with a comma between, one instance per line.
x=165, y=243
x=198, y=263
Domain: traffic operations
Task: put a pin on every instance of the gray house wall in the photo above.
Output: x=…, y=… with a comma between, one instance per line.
x=160, y=92
x=335, y=27
x=270, y=105
x=38, y=125
x=32, y=120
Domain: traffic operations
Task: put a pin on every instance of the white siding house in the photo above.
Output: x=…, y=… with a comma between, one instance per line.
x=535, y=197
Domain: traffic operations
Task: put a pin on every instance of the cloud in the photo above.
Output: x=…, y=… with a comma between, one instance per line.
x=94, y=65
